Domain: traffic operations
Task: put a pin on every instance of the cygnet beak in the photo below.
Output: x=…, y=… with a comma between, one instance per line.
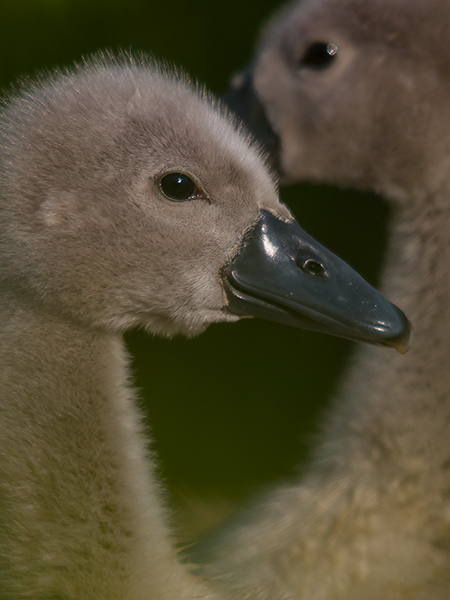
x=242, y=99
x=282, y=274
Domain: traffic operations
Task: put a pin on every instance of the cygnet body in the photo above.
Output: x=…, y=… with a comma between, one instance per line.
x=126, y=197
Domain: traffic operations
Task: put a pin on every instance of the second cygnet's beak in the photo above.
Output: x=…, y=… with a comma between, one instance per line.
x=282, y=274
x=242, y=99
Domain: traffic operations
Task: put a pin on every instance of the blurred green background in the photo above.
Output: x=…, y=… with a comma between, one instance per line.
x=238, y=407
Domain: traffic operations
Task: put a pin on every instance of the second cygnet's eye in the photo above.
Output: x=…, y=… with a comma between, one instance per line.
x=319, y=55
x=178, y=186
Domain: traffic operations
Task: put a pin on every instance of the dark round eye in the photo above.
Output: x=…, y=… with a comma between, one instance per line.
x=178, y=186
x=319, y=55
x=312, y=267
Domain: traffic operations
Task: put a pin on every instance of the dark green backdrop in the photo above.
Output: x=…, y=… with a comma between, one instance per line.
x=238, y=406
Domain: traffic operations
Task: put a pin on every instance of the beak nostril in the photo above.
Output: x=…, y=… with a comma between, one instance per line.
x=312, y=267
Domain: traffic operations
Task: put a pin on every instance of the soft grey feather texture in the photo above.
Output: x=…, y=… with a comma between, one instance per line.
x=90, y=247
x=371, y=517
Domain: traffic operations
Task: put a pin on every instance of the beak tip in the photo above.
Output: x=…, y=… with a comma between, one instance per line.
x=404, y=342
x=397, y=331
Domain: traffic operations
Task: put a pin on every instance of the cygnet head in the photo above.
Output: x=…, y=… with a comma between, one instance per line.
x=356, y=91
x=127, y=199
x=99, y=228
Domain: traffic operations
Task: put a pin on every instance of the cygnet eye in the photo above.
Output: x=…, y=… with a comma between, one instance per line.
x=319, y=55
x=178, y=187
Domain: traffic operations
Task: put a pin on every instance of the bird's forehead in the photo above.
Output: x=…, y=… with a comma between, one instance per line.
x=373, y=18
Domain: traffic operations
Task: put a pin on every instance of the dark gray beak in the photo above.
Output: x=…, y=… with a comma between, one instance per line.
x=282, y=274
x=242, y=99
